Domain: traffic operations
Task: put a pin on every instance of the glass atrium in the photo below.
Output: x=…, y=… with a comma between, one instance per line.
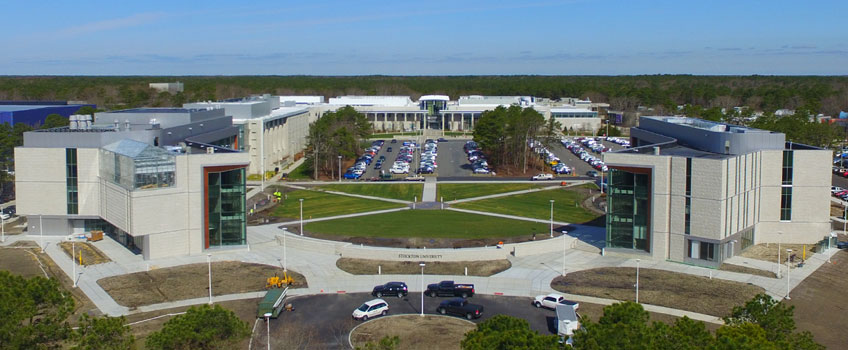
x=137, y=166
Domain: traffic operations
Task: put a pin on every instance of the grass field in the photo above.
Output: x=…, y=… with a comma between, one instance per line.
x=300, y=173
x=658, y=287
x=415, y=332
x=370, y=267
x=537, y=205
x=462, y=191
x=426, y=223
x=405, y=192
x=318, y=205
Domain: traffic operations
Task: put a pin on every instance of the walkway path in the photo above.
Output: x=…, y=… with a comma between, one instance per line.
x=429, y=189
x=505, y=194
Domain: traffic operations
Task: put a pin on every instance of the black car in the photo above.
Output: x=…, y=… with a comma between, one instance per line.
x=460, y=307
x=442, y=139
x=388, y=149
x=394, y=141
x=397, y=289
x=842, y=244
x=9, y=210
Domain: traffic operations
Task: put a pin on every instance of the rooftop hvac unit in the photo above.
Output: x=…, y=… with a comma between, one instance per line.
x=73, y=122
x=210, y=149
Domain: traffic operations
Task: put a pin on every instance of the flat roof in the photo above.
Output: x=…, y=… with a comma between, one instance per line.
x=707, y=124
x=434, y=97
x=155, y=110
x=15, y=108
x=571, y=110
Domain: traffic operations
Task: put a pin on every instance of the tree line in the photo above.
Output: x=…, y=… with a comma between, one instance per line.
x=818, y=94
x=335, y=133
x=503, y=135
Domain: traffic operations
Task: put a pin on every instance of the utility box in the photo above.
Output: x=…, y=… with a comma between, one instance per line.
x=272, y=302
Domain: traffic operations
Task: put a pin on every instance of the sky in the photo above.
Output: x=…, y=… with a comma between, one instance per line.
x=433, y=37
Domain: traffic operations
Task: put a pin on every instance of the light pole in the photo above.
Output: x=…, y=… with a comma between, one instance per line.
x=340, y=168
x=2, y=228
x=780, y=234
x=209, y=263
x=285, y=263
x=637, y=280
x=268, y=328
x=41, y=230
x=422, y=288
x=563, y=252
x=73, y=262
x=788, y=252
x=301, y=216
x=552, y=218
x=844, y=218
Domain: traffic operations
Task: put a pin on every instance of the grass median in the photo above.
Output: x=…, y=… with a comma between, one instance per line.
x=461, y=191
x=567, y=205
x=659, y=287
x=318, y=205
x=388, y=267
x=406, y=192
x=426, y=223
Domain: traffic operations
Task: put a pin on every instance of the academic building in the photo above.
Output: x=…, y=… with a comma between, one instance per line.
x=161, y=181
x=699, y=192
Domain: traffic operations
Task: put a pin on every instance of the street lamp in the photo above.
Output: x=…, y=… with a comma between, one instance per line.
x=340, y=168
x=285, y=233
x=780, y=234
x=2, y=228
x=788, y=252
x=209, y=263
x=422, y=288
x=301, y=216
x=563, y=252
x=844, y=217
x=41, y=229
x=552, y=218
x=73, y=262
x=268, y=327
x=637, y=280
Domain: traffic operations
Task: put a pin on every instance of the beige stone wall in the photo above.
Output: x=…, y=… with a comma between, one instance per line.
x=88, y=181
x=40, y=183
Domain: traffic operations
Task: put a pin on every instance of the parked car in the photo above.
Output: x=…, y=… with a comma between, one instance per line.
x=373, y=308
x=442, y=139
x=389, y=149
x=461, y=307
x=449, y=289
x=842, y=244
x=398, y=289
x=592, y=173
x=550, y=301
x=542, y=177
x=394, y=141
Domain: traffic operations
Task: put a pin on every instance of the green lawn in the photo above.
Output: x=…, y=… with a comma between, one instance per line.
x=461, y=191
x=405, y=192
x=537, y=205
x=427, y=223
x=300, y=173
x=318, y=205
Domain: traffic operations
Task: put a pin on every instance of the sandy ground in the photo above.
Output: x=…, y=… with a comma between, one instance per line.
x=415, y=332
x=820, y=303
x=664, y=288
x=748, y=270
x=768, y=252
x=190, y=281
x=370, y=267
x=90, y=254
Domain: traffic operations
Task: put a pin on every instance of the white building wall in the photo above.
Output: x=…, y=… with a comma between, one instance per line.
x=40, y=183
x=88, y=181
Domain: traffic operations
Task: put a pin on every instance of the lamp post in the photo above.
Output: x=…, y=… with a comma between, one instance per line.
x=637, y=280
x=788, y=252
x=301, y=216
x=422, y=288
x=74, y=263
x=268, y=328
x=844, y=218
x=209, y=263
x=2, y=228
x=552, y=218
x=563, y=252
x=285, y=233
x=780, y=234
x=340, y=168
x=41, y=230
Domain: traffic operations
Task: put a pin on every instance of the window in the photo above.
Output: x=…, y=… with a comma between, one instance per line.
x=71, y=180
x=688, y=215
x=785, y=203
x=700, y=250
x=688, y=176
x=688, y=208
x=787, y=167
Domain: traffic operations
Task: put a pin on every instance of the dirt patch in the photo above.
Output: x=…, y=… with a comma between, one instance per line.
x=415, y=332
x=30, y=262
x=370, y=267
x=190, y=281
x=143, y=324
x=768, y=252
x=658, y=287
x=747, y=270
x=86, y=254
x=820, y=302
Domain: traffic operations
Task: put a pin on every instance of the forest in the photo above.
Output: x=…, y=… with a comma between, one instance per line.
x=816, y=94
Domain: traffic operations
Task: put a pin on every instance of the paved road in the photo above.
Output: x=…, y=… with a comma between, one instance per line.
x=330, y=314
x=452, y=160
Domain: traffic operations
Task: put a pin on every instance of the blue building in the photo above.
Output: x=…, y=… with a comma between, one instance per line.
x=35, y=112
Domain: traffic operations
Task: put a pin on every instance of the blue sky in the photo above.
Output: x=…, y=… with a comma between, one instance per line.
x=431, y=37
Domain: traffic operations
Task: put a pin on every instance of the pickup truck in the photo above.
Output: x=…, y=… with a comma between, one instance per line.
x=542, y=177
x=550, y=301
x=461, y=307
x=449, y=289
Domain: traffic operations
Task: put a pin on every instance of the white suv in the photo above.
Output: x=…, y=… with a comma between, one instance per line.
x=373, y=308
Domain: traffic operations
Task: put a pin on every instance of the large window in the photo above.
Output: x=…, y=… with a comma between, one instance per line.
x=628, y=219
x=786, y=189
x=688, y=208
x=226, y=207
x=71, y=180
x=786, y=175
x=137, y=166
x=700, y=250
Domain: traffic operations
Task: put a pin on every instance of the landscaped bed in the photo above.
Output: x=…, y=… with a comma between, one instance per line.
x=318, y=204
x=658, y=287
x=456, y=191
x=747, y=270
x=415, y=332
x=370, y=267
x=568, y=205
x=402, y=191
x=85, y=253
x=191, y=281
x=430, y=228
x=769, y=251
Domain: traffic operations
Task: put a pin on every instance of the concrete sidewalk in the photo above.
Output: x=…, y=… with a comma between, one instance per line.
x=505, y=194
x=429, y=194
x=392, y=200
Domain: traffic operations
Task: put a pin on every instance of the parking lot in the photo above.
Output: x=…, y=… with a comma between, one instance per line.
x=330, y=314
x=580, y=168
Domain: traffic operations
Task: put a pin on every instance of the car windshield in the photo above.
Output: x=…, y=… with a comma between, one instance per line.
x=364, y=307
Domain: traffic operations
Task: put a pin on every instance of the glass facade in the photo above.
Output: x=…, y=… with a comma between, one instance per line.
x=628, y=200
x=701, y=250
x=226, y=207
x=786, y=189
x=71, y=180
x=688, y=210
x=137, y=166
